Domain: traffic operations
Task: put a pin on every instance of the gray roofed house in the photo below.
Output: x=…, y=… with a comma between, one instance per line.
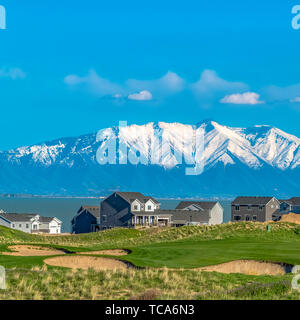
x=255, y=209
x=198, y=212
x=87, y=219
x=290, y=205
x=132, y=209
x=30, y=222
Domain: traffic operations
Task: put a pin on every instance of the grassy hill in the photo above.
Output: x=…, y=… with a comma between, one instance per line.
x=167, y=255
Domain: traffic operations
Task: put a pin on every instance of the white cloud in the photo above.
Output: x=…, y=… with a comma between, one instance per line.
x=98, y=85
x=170, y=83
x=297, y=99
x=210, y=82
x=251, y=98
x=141, y=96
x=12, y=73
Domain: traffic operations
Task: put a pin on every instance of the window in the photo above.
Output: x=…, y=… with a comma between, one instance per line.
x=237, y=208
x=13, y=226
x=135, y=207
x=20, y=226
x=260, y=207
x=149, y=208
x=247, y=218
x=249, y=207
x=254, y=218
x=104, y=218
x=237, y=218
x=27, y=226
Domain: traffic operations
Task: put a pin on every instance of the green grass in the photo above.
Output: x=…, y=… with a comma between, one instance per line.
x=192, y=254
x=177, y=248
x=42, y=283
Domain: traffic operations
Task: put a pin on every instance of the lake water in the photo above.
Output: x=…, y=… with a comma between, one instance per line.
x=65, y=208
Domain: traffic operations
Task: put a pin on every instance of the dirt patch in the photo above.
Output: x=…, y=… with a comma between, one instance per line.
x=250, y=267
x=80, y=262
x=115, y=252
x=27, y=251
x=150, y=294
x=291, y=217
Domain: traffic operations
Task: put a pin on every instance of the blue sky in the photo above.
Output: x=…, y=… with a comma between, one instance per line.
x=69, y=69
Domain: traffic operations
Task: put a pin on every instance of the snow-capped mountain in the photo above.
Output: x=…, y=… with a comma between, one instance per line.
x=256, y=160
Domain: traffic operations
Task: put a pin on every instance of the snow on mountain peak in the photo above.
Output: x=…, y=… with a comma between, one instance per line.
x=254, y=147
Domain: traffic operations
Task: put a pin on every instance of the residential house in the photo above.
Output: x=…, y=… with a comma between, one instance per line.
x=255, y=209
x=197, y=212
x=30, y=223
x=50, y=225
x=132, y=209
x=290, y=205
x=87, y=219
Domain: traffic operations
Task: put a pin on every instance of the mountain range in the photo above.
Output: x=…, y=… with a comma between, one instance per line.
x=260, y=160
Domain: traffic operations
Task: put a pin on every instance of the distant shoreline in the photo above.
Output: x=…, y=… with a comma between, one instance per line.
x=30, y=196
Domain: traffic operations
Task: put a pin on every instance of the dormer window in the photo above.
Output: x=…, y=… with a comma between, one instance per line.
x=149, y=208
x=135, y=207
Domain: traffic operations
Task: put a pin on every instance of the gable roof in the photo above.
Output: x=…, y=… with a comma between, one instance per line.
x=16, y=217
x=93, y=210
x=25, y=217
x=252, y=200
x=294, y=201
x=205, y=205
x=48, y=219
x=131, y=196
x=45, y=219
x=281, y=201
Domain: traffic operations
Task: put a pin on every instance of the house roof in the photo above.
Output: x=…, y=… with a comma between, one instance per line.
x=131, y=196
x=281, y=201
x=205, y=205
x=294, y=201
x=47, y=219
x=16, y=217
x=93, y=210
x=25, y=217
x=252, y=200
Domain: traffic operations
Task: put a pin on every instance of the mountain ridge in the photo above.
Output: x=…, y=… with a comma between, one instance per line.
x=260, y=158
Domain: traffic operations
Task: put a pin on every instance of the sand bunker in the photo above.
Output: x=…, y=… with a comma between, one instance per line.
x=28, y=250
x=80, y=262
x=249, y=267
x=115, y=252
x=291, y=217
